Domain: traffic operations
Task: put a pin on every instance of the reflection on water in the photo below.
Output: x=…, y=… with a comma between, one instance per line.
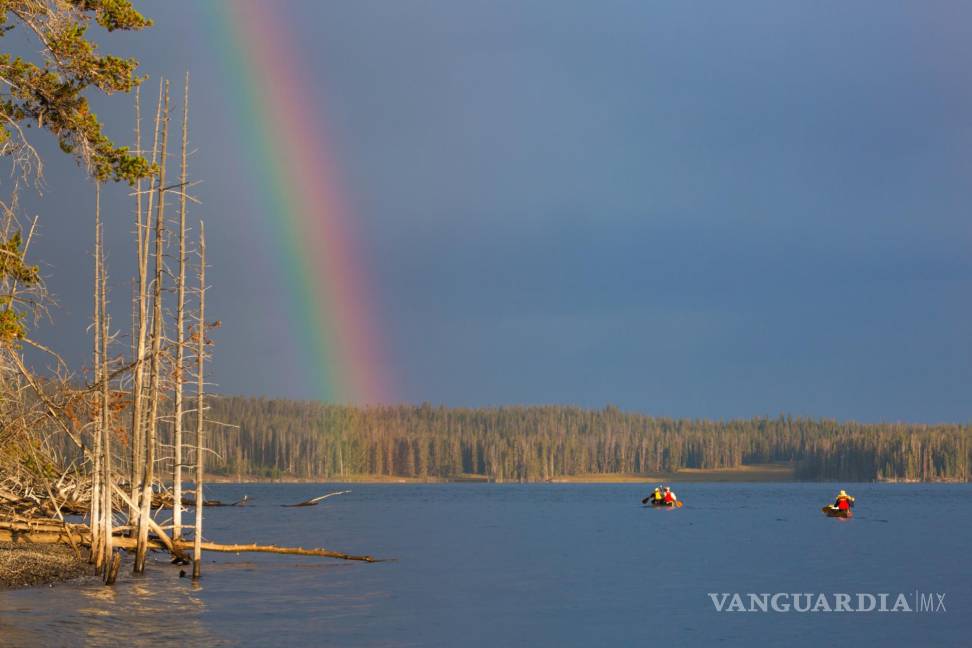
x=529, y=565
x=161, y=608
x=142, y=611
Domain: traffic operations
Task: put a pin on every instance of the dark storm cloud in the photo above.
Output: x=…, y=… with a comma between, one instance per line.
x=688, y=209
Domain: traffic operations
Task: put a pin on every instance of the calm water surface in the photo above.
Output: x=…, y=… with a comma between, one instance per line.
x=534, y=565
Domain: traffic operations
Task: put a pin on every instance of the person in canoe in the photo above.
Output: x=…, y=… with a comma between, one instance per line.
x=669, y=498
x=844, y=501
x=657, y=497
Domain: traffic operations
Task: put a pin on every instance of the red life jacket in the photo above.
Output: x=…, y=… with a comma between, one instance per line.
x=668, y=498
x=843, y=503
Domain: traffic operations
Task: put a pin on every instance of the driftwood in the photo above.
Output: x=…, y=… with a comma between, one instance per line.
x=316, y=500
x=166, y=501
x=154, y=527
x=53, y=532
x=296, y=551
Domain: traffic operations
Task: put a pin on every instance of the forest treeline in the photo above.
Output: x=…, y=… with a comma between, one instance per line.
x=310, y=440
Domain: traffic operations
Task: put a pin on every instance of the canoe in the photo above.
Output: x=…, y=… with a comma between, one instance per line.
x=676, y=504
x=831, y=511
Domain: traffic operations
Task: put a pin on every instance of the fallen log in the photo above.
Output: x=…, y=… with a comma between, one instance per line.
x=43, y=537
x=295, y=551
x=153, y=526
x=80, y=535
x=32, y=522
x=167, y=502
x=315, y=500
x=191, y=501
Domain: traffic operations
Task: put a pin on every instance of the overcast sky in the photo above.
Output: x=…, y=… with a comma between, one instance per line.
x=715, y=209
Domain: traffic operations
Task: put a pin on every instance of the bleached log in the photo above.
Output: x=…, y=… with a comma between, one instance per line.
x=153, y=526
x=316, y=500
x=296, y=551
x=81, y=535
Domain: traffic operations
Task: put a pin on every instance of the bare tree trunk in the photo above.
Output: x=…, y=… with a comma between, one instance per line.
x=96, y=496
x=155, y=370
x=142, y=238
x=200, y=405
x=180, y=325
x=138, y=327
x=106, y=508
x=134, y=332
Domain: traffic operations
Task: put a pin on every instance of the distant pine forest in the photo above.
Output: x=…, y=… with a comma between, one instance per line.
x=282, y=439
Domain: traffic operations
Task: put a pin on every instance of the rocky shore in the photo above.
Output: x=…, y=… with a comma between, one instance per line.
x=24, y=565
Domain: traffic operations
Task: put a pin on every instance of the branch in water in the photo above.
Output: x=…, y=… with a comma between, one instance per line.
x=316, y=500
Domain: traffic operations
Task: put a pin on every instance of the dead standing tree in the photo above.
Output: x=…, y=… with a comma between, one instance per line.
x=200, y=405
x=180, y=327
x=109, y=560
x=142, y=237
x=155, y=374
x=97, y=475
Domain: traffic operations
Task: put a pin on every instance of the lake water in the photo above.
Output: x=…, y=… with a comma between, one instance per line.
x=535, y=565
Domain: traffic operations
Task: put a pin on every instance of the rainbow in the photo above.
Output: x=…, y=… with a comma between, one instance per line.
x=296, y=180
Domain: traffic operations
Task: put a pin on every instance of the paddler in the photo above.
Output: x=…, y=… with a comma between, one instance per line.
x=657, y=496
x=669, y=496
x=843, y=501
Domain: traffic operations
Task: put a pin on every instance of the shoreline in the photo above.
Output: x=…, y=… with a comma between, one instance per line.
x=755, y=473
x=780, y=472
x=30, y=565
